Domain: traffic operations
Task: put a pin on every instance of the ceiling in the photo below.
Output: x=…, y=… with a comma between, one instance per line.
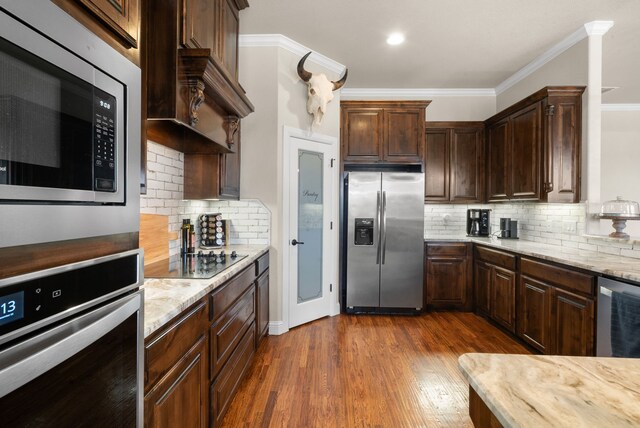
x=451, y=43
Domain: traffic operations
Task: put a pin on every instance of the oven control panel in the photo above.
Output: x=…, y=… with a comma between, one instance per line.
x=32, y=300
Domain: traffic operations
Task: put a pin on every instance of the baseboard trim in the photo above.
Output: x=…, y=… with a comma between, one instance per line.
x=276, y=328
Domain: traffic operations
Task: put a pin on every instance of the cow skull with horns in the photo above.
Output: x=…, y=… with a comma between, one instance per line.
x=320, y=90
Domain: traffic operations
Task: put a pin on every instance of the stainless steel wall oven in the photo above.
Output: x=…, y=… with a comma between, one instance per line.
x=71, y=345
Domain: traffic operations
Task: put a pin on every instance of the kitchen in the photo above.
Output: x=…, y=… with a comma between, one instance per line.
x=262, y=217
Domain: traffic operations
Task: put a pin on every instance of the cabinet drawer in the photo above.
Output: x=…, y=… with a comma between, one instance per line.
x=224, y=297
x=174, y=341
x=564, y=278
x=498, y=258
x=225, y=386
x=262, y=263
x=228, y=330
x=447, y=249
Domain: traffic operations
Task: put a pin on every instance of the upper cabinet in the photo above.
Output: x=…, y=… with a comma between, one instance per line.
x=117, y=22
x=194, y=102
x=533, y=148
x=454, y=162
x=382, y=131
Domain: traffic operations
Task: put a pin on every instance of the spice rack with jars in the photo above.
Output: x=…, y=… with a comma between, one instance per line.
x=214, y=231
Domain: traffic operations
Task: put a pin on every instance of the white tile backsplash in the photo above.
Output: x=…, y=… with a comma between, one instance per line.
x=554, y=224
x=250, y=221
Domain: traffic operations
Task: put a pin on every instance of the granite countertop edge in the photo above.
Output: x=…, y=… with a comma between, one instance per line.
x=608, y=264
x=164, y=298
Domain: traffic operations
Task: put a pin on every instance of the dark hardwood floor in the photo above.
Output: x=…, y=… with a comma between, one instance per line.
x=366, y=371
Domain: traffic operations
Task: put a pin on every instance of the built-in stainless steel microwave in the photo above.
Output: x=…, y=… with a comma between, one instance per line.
x=69, y=129
x=61, y=123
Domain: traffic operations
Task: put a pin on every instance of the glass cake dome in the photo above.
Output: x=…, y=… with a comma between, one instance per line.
x=620, y=207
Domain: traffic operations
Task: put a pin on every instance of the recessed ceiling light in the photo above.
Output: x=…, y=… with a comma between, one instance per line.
x=395, y=39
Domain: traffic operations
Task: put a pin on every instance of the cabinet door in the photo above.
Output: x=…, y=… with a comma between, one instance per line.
x=467, y=165
x=180, y=398
x=526, y=145
x=436, y=165
x=447, y=283
x=201, y=176
x=230, y=171
x=199, y=24
x=403, y=135
x=262, y=306
x=573, y=324
x=534, y=313
x=229, y=33
x=121, y=16
x=563, y=117
x=482, y=283
x=502, y=297
x=361, y=135
x=498, y=161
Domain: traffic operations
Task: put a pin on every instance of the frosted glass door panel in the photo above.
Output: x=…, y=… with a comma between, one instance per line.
x=310, y=225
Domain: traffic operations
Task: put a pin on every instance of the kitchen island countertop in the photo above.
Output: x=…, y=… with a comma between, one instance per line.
x=608, y=264
x=164, y=298
x=556, y=391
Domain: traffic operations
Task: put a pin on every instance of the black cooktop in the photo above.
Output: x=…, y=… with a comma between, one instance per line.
x=201, y=265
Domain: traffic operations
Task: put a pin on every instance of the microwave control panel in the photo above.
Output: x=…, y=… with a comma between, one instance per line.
x=104, y=142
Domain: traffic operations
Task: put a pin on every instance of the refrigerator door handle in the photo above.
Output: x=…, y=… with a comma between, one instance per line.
x=379, y=228
x=383, y=229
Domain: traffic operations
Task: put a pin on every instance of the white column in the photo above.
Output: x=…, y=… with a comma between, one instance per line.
x=593, y=130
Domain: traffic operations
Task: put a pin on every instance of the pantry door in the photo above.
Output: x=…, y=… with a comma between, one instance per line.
x=312, y=243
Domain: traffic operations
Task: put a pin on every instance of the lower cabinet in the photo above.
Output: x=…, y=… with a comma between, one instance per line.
x=556, y=309
x=447, y=276
x=196, y=362
x=495, y=286
x=176, y=372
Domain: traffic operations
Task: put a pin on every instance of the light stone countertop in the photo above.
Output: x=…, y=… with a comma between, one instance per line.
x=165, y=298
x=555, y=391
x=608, y=264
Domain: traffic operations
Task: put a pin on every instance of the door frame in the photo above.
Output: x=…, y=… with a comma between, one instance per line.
x=287, y=134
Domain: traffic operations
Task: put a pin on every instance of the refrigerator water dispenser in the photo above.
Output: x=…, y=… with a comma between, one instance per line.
x=364, y=231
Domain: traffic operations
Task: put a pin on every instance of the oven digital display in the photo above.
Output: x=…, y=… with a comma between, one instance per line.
x=11, y=307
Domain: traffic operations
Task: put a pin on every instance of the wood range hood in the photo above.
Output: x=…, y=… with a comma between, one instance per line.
x=194, y=100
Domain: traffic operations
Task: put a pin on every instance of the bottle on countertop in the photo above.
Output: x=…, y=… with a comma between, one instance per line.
x=192, y=240
x=184, y=235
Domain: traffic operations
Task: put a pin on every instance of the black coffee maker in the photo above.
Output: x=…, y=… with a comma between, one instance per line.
x=478, y=222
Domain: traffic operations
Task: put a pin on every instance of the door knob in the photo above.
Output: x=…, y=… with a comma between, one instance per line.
x=296, y=242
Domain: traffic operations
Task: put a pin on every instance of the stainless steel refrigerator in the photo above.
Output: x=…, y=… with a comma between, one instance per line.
x=383, y=226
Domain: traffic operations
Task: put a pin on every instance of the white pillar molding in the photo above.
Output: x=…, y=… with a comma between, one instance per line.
x=593, y=137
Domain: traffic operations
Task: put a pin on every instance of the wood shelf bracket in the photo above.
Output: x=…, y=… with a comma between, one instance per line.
x=231, y=125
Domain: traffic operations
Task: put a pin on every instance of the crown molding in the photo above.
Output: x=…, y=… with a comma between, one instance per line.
x=381, y=93
x=590, y=28
x=597, y=28
x=281, y=41
x=620, y=107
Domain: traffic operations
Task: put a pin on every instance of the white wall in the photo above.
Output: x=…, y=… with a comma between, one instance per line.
x=269, y=76
x=568, y=68
x=620, y=162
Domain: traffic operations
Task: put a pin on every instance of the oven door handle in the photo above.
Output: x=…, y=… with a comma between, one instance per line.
x=35, y=356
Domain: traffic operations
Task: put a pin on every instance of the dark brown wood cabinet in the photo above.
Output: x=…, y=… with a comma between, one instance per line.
x=117, y=22
x=176, y=372
x=382, y=131
x=262, y=298
x=495, y=285
x=194, y=364
x=533, y=148
x=194, y=102
x=447, y=276
x=454, y=162
x=556, y=309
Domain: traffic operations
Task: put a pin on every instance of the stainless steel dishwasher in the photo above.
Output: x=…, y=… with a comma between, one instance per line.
x=618, y=319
